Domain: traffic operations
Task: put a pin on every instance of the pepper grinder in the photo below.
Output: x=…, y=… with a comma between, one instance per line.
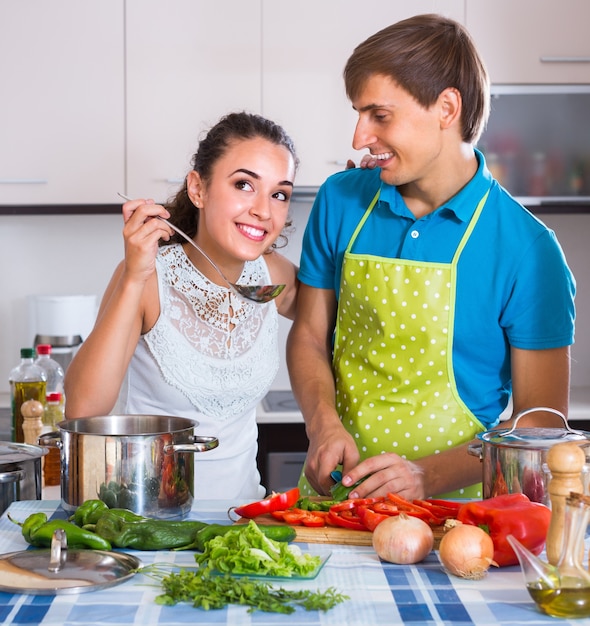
x=32, y=412
x=565, y=460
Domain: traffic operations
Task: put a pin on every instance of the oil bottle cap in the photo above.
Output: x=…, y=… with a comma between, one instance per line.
x=53, y=397
x=44, y=348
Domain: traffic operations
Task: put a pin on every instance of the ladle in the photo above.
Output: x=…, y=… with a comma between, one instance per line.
x=256, y=293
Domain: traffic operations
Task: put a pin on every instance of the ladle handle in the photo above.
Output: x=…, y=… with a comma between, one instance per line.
x=190, y=240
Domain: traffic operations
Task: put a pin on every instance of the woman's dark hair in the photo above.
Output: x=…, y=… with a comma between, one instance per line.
x=426, y=54
x=230, y=128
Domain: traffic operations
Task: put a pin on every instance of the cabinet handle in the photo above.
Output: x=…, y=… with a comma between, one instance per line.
x=23, y=181
x=564, y=59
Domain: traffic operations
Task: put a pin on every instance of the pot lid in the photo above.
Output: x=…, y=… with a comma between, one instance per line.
x=30, y=572
x=19, y=452
x=534, y=438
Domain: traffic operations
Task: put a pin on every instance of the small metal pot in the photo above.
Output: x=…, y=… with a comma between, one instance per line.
x=20, y=473
x=514, y=460
x=144, y=463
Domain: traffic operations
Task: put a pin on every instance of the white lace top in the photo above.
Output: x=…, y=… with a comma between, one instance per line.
x=211, y=356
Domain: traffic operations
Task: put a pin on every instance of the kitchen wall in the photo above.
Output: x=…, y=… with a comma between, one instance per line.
x=71, y=255
x=64, y=255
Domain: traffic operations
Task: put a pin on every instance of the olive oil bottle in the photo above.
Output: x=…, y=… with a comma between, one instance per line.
x=27, y=382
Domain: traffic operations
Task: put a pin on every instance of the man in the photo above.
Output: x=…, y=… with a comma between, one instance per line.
x=429, y=297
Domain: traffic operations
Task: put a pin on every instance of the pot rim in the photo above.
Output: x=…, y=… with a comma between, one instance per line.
x=120, y=425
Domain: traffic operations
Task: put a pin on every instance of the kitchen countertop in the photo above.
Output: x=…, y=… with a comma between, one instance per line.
x=380, y=593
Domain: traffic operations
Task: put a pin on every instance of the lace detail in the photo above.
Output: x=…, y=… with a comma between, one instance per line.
x=219, y=350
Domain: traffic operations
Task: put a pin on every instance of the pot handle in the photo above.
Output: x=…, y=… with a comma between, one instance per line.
x=547, y=410
x=50, y=440
x=200, y=444
x=475, y=449
x=12, y=477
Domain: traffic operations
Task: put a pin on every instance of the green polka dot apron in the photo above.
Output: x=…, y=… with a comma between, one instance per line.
x=393, y=366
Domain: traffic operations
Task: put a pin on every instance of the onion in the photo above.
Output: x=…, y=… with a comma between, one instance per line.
x=403, y=539
x=466, y=551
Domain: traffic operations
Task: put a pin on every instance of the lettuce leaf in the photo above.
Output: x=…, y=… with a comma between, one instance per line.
x=246, y=550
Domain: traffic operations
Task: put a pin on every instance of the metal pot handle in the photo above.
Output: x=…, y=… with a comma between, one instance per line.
x=12, y=477
x=475, y=449
x=200, y=444
x=50, y=440
x=547, y=410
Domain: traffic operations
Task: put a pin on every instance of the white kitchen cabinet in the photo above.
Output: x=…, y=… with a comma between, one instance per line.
x=305, y=46
x=188, y=63
x=62, y=106
x=532, y=41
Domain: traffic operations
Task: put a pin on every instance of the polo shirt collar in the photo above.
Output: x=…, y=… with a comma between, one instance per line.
x=462, y=204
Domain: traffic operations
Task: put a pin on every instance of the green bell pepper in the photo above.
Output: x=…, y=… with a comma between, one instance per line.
x=123, y=531
x=38, y=531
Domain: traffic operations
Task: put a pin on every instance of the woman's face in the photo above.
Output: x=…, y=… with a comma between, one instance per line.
x=243, y=206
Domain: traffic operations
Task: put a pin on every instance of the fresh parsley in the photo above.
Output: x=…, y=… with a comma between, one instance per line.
x=207, y=591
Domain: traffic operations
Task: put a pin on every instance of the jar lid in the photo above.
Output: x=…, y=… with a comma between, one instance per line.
x=19, y=452
x=533, y=438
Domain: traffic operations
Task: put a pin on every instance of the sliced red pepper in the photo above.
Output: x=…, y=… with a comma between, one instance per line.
x=438, y=511
x=509, y=514
x=346, y=519
x=447, y=504
x=386, y=508
x=370, y=518
x=297, y=517
x=414, y=509
x=275, y=502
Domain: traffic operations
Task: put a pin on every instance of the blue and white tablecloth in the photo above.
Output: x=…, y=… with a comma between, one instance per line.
x=380, y=593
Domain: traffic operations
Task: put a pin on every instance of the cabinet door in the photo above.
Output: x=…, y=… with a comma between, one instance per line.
x=188, y=63
x=305, y=48
x=61, y=110
x=532, y=41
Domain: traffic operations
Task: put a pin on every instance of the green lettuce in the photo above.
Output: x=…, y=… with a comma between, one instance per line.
x=249, y=552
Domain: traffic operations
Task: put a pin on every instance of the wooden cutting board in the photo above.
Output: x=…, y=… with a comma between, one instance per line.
x=331, y=534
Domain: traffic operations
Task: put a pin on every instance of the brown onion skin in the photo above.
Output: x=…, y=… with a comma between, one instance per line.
x=466, y=551
x=403, y=539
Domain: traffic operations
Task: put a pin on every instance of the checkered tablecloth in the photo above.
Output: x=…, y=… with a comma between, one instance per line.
x=379, y=593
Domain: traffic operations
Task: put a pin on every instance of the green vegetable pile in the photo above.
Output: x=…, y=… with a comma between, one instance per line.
x=245, y=550
x=249, y=551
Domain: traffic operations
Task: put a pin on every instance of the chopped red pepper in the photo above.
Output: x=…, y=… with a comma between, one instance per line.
x=509, y=514
x=275, y=502
x=370, y=518
x=346, y=519
x=298, y=517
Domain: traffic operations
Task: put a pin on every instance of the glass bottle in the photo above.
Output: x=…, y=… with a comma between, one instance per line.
x=54, y=413
x=27, y=382
x=53, y=370
x=570, y=598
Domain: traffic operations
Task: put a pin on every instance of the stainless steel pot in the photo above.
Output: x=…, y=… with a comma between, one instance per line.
x=144, y=463
x=514, y=460
x=20, y=473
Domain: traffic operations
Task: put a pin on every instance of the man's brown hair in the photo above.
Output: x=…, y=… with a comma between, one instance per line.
x=426, y=54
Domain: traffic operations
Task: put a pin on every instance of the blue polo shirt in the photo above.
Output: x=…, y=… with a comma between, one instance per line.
x=514, y=287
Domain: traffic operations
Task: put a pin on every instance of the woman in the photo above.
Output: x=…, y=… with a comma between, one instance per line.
x=171, y=338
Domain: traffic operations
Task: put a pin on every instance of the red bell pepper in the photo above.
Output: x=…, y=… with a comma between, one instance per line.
x=509, y=514
x=275, y=502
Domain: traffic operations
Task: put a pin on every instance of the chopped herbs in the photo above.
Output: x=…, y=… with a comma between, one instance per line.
x=215, y=592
